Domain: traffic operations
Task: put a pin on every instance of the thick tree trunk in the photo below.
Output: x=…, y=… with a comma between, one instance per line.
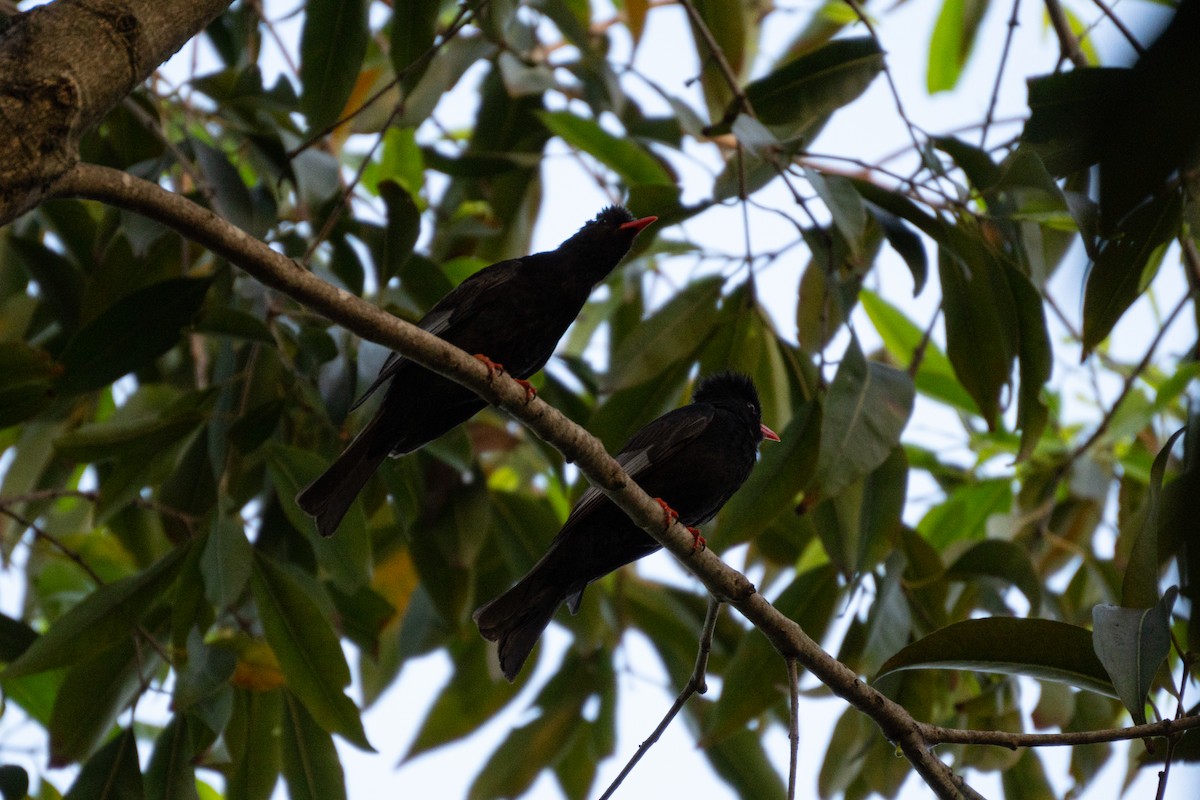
x=63, y=66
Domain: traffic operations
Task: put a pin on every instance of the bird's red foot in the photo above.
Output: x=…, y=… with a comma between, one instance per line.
x=530, y=392
x=494, y=369
x=671, y=515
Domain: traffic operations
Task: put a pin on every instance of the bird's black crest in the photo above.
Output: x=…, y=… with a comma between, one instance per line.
x=725, y=386
x=614, y=215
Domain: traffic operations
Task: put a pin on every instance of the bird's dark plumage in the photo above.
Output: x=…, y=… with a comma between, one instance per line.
x=694, y=458
x=514, y=312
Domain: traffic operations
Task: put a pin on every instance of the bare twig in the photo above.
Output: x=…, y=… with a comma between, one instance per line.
x=1167, y=727
x=695, y=685
x=718, y=56
x=793, y=671
x=1121, y=26
x=1008, y=39
x=1068, y=43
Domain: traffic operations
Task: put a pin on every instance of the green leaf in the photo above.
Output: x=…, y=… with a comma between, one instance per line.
x=1037, y=648
x=802, y=93
x=310, y=761
x=225, y=562
x=741, y=761
x=252, y=740
x=403, y=229
x=58, y=279
x=1026, y=780
x=26, y=382
x=726, y=21
x=935, y=376
x=1035, y=359
x=414, y=27
x=15, y=638
x=95, y=691
x=859, y=525
x=1139, y=588
x=234, y=323
x=129, y=335
x=14, y=782
x=170, y=774
x=865, y=412
x=1125, y=266
x=844, y=204
x=981, y=320
x=996, y=558
x=333, y=43
x=964, y=514
x=622, y=155
x=347, y=556
x=952, y=41
x=673, y=334
x=1132, y=643
x=100, y=620
x=117, y=438
x=510, y=771
x=786, y=467
x=907, y=244
x=112, y=774
x=307, y=648
x=1069, y=115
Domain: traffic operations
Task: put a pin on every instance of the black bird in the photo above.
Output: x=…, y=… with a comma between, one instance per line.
x=511, y=315
x=691, y=460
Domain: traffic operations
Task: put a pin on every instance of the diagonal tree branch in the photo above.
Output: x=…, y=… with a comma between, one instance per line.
x=576, y=444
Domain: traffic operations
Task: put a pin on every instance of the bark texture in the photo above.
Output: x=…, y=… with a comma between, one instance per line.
x=63, y=66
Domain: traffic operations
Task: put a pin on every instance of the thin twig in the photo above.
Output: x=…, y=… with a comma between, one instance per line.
x=718, y=56
x=1068, y=43
x=793, y=670
x=1008, y=39
x=1121, y=26
x=919, y=351
x=934, y=735
x=695, y=685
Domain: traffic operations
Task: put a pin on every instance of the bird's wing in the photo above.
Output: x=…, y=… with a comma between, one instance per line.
x=458, y=306
x=653, y=444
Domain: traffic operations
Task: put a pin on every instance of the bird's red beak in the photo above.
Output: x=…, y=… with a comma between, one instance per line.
x=768, y=433
x=638, y=224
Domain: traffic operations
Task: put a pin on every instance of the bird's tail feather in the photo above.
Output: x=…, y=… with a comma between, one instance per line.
x=328, y=498
x=517, y=618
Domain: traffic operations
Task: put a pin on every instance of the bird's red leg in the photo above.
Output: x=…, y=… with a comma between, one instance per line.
x=670, y=515
x=530, y=392
x=494, y=369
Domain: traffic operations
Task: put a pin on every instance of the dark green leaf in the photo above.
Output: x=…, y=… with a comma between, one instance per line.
x=803, y=92
x=15, y=638
x=226, y=563
x=1139, y=588
x=1125, y=266
x=253, y=744
x=57, y=278
x=332, y=45
x=1038, y=648
x=112, y=774
x=94, y=692
x=1034, y=358
x=227, y=321
x=981, y=320
x=14, y=782
x=100, y=620
x=310, y=761
x=671, y=335
x=907, y=244
x=26, y=382
x=866, y=410
x=403, y=228
x=137, y=329
x=1069, y=116
x=170, y=774
x=307, y=648
x=414, y=26
x=1132, y=643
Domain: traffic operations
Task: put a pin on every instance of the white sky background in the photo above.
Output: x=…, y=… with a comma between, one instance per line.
x=869, y=129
